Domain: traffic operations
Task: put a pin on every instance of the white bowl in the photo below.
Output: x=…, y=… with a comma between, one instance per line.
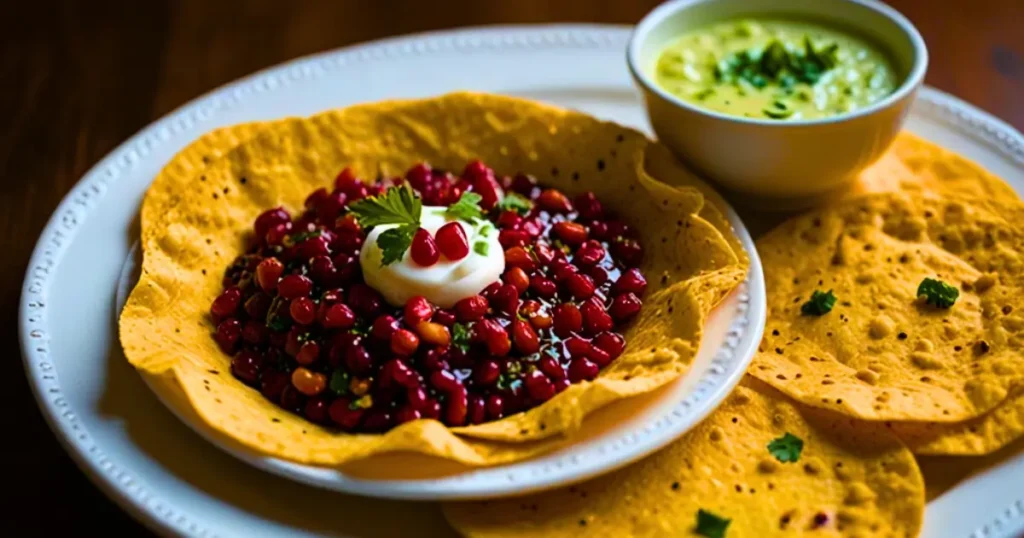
x=781, y=163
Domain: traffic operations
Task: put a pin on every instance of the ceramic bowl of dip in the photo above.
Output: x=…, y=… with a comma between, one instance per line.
x=781, y=163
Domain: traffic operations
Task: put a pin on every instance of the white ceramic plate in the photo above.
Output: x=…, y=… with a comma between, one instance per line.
x=171, y=479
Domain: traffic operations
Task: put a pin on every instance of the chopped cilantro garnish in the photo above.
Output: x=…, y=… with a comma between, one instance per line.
x=480, y=247
x=394, y=242
x=710, y=525
x=937, y=293
x=461, y=336
x=339, y=382
x=820, y=304
x=515, y=202
x=467, y=208
x=776, y=63
x=786, y=448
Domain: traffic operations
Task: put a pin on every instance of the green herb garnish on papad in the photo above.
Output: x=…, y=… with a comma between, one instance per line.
x=819, y=304
x=854, y=472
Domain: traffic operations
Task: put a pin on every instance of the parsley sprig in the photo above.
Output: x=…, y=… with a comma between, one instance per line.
x=937, y=293
x=399, y=206
x=467, y=208
x=515, y=202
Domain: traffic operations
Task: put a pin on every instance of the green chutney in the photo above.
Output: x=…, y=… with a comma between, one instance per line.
x=775, y=69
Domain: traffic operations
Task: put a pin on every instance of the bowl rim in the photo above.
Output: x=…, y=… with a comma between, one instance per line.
x=910, y=83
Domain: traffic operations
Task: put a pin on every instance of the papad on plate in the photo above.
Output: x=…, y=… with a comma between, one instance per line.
x=882, y=353
x=194, y=225
x=849, y=478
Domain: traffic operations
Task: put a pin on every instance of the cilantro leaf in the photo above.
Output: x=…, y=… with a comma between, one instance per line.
x=786, y=448
x=339, y=382
x=515, y=202
x=481, y=248
x=461, y=336
x=398, y=205
x=467, y=208
x=394, y=242
x=820, y=304
x=710, y=525
x=938, y=293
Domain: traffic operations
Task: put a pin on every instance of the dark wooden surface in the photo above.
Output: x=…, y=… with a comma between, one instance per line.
x=77, y=78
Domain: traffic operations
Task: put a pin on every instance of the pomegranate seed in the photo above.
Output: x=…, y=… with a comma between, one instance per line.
x=308, y=353
x=302, y=310
x=533, y=311
x=292, y=399
x=296, y=335
x=254, y=332
x=538, y=386
x=486, y=372
x=599, y=230
x=275, y=236
x=258, y=305
x=599, y=356
x=424, y=250
x=404, y=342
x=322, y=269
x=348, y=242
x=383, y=327
x=524, y=337
x=580, y=286
x=495, y=407
x=293, y=286
x=433, y=333
x=418, y=175
x=227, y=335
x=347, y=267
x=377, y=420
x=567, y=319
x=550, y=366
x=561, y=270
x=595, y=318
x=506, y=300
x=444, y=381
x=269, y=219
x=632, y=281
x=554, y=201
x=543, y=287
x=451, y=240
x=544, y=253
x=406, y=414
x=509, y=220
x=226, y=303
x=435, y=360
x=471, y=308
x=588, y=206
x=346, y=418
x=444, y=317
x=628, y=251
x=316, y=410
x=598, y=274
x=561, y=384
x=417, y=309
x=455, y=408
x=272, y=384
x=476, y=410
x=571, y=233
x=398, y=371
x=432, y=410
x=246, y=366
x=489, y=190
x=268, y=272
x=582, y=369
x=490, y=290
x=523, y=184
x=577, y=347
x=358, y=360
x=624, y=307
x=517, y=277
x=338, y=316
x=364, y=300
x=308, y=382
x=589, y=254
x=618, y=229
x=513, y=238
x=519, y=257
x=347, y=223
x=315, y=198
x=475, y=170
x=494, y=336
x=611, y=343
x=417, y=397
x=314, y=246
x=346, y=179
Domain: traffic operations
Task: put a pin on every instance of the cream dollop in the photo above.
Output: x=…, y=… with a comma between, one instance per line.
x=444, y=283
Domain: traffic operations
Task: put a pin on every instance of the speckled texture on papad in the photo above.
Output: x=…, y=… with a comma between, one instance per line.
x=978, y=436
x=913, y=164
x=166, y=332
x=855, y=477
x=881, y=354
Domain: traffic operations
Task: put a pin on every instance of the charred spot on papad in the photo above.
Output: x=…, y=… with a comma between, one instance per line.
x=883, y=353
x=848, y=479
x=166, y=331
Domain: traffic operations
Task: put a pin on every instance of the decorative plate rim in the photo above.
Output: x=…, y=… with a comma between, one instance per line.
x=125, y=488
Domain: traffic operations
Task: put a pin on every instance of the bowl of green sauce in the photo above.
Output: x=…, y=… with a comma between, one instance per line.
x=782, y=100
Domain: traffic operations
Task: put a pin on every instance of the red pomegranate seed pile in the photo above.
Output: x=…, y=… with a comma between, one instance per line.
x=304, y=328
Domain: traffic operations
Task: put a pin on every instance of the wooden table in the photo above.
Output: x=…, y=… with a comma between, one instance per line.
x=77, y=78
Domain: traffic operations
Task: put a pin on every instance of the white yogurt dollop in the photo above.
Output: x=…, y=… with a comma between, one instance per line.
x=444, y=283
